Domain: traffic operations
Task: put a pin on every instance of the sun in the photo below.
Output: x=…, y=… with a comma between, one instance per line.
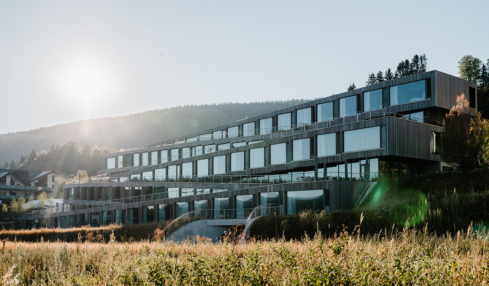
x=86, y=79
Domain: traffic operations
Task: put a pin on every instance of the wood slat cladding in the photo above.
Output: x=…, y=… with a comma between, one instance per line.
x=447, y=88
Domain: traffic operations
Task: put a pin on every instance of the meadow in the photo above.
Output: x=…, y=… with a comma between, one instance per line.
x=407, y=257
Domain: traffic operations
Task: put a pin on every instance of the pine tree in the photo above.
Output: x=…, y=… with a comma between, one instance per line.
x=12, y=165
x=388, y=74
x=380, y=77
x=415, y=65
x=32, y=156
x=351, y=87
x=371, y=79
x=407, y=68
x=423, y=62
x=484, y=77
x=5, y=166
x=400, y=70
x=22, y=160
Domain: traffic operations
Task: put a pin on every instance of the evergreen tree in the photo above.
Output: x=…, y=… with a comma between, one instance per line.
x=5, y=166
x=407, y=68
x=423, y=62
x=32, y=156
x=416, y=65
x=388, y=74
x=351, y=87
x=484, y=77
x=22, y=160
x=371, y=79
x=380, y=77
x=12, y=165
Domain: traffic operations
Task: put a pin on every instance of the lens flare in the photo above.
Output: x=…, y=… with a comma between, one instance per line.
x=411, y=208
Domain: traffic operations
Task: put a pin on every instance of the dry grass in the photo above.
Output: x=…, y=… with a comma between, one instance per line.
x=408, y=257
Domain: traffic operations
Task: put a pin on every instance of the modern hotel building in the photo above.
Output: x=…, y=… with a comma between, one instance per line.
x=321, y=155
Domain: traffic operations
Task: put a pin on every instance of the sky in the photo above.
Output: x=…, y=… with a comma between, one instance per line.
x=64, y=61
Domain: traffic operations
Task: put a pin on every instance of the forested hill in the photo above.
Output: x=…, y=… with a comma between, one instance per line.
x=135, y=130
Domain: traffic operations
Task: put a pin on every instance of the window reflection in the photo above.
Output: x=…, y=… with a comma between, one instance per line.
x=299, y=201
x=266, y=126
x=233, y=132
x=110, y=163
x=237, y=161
x=219, y=165
x=249, y=129
x=302, y=149
x=348, y=106
x=187, y=170
x=278, y=154
x=284, y=121
x=362, y=139
x=372, y=100
x=325, y=111
x=304, y=116
x=203, y=168
x=257, y=158
x=326, y=145
x=409, y=92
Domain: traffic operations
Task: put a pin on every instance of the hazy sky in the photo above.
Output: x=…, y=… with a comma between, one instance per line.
x=63, y=61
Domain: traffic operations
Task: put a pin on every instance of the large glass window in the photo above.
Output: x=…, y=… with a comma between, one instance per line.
x=181, y=208
x=187, y=170
x=145, y=159
x=154, y=158
x=265, y=126
x=239, y=144
x=217, y=134
x=362, y=139
x=147, y=176
x=372, y=100
x=416, y=116
x=257, y=158
x=201, y=205
x=203, y=168
x=160, y=174
x=326, y=145
x=136, y=159
x=173, y=193
x=348, y=106
x=174, y=154
x=221, y=208
x=284, y=121
x=128, y=160
x=192, y=139
x=120, y=162
x=233, y=132
x=302, y=149
x=197, y=150
x=244, y=206
x=271, y=198
x=163, y=212
x=209, y=149
x=205, y=137
x=186, y=153
x=325, y=111
x=202, y=191
x=223, y=146
x=300, y=201
x=278, y=154
x=237, y=161
x=172, y=172
x=164, y=156
x=304, y=116
x=110, y=163
x=249, y=129
x=219, y=165
x=187, y=192
x=409, y=92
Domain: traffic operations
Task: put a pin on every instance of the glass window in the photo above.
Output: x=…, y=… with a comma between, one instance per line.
x=120, y=162
x=304, y=116
x=362, y=139
x=220, y=207
x=372, y=100
x=265, y=126
x=244, y=206
x=205, y=137
x=254, y=142
x=174, y=154
x=196, y=151
x=218, y=190
x=164, y=156
x=203, y=168
x=160, y=174
x=128, y=160
x=302, y=149
x=219, y=165
x=162, y=212
x=217, y=134
x=233, y=132
x=257, y=158
x=239, y=144
x=136, y=159
x=187, y=192
x=154, y=158
x=326, y=145
x=249, y=129
x=299, y=201
x=209, y=149
x=187, y=170
x=348, y=106
x=181, y=209
x=186, y=153
x=173, y=193
x=202, y=191
x=192, y=139
x=110, y=163
x=325, y=111
x=224, y=146
x=145, y=159
x=416, y=116
x=271, y=198
x=201, y=205
x=278, y=154
x=135, y=178
x=172, y=172
x=237, y=161
x=409, y=92
x=284, y=121
x=148, y=176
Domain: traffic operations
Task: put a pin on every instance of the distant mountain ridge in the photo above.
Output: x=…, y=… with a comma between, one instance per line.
x=135, y=130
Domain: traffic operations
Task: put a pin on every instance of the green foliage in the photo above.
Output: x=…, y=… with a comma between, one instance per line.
x=469, y=68
x=404, y=68
x=351, y=87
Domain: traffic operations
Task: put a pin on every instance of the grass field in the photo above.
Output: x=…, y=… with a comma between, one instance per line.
x=407, y=257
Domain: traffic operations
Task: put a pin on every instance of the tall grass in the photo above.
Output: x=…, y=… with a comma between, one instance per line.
x=406, y=257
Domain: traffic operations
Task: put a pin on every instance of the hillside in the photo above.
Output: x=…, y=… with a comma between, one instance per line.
x=134, y=130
